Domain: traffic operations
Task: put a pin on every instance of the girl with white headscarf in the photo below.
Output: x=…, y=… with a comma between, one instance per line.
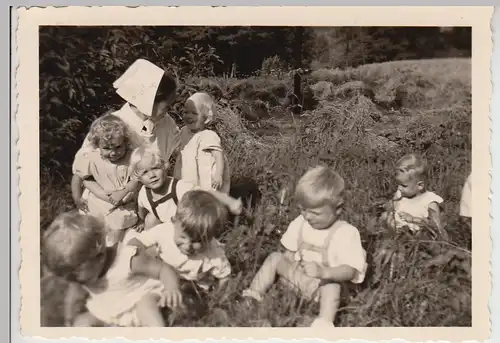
x=148, y=90
x=202, y=160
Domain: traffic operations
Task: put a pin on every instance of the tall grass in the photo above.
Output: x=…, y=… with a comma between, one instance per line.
x=430, y=282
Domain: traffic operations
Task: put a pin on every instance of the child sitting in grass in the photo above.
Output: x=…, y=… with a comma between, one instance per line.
x=124, y=286
x=201, y=160
x=187, y=242
x=158, y=198
x=413, y=205
x=321, y=250
x=105, y=171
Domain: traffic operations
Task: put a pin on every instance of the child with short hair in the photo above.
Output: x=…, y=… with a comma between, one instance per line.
x=321, y=250
x=125, y=286
x=158, y=198
x=106, y=172
x=188, y=241
x=201, y=160
x=413, y=205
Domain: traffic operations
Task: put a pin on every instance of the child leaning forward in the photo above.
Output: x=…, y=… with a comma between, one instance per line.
x=188, y=241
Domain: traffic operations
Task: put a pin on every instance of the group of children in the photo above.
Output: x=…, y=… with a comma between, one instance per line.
x=139, y=233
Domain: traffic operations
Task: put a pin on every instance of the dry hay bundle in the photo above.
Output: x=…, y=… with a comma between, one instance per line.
x=353, y=88
x=322, y=90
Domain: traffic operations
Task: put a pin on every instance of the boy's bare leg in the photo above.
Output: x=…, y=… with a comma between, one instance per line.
x=148, y=311
x=329, y=300
x=267, y=273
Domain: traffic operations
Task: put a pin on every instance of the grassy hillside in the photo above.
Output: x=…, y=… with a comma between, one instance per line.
x=360, y=122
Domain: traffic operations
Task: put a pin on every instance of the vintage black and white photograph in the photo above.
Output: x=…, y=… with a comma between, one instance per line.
x=255, y=176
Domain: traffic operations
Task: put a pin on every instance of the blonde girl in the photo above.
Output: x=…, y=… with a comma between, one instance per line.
x=123, y=285
x=106, y=172
x=413, y=205
x=202, y=160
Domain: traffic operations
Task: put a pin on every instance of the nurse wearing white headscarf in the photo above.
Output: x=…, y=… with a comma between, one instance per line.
x=148, y=91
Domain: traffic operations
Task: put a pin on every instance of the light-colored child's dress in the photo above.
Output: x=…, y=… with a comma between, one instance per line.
x=210, y=261
x=336, y=246
x=198, y=164
x=185, y=136
x=111, y=177
x=114, y=297
x=466, y=198
x=164, y=208
x=418, y=207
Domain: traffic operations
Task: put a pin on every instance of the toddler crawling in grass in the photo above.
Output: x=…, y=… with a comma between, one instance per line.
x=321, y=251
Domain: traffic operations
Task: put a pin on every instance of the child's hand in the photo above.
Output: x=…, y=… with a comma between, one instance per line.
x=139, y=227
x=406, y=217
x=216, y=181
x=117, y=197
x=82, y=205
x=313, y=270
x=236, y=206
x=173, y=296
x=127, y=197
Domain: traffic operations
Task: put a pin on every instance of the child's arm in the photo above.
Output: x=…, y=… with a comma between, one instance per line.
x=76, y=192
x=219, y=168
x=74, y=300
x=433, y=219
x=234, y=205
x=155, y=268
x=131, y=187
x=141, y=212
x=435, y=215
x=96, y=189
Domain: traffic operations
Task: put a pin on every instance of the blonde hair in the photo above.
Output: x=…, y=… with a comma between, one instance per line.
x=204, y=104
x=412, y=165
x=70, y=240
x=143, y=159
x=320, y=185
x=201, y=215
x=109, y=129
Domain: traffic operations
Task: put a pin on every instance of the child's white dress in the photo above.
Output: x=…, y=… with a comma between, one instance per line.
x=211, y=261
x=198, y=164
x=114, y=297
x=336, y=246
x=164, y=208
x=111, y=177
x=417, y=206
x=466, y=198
